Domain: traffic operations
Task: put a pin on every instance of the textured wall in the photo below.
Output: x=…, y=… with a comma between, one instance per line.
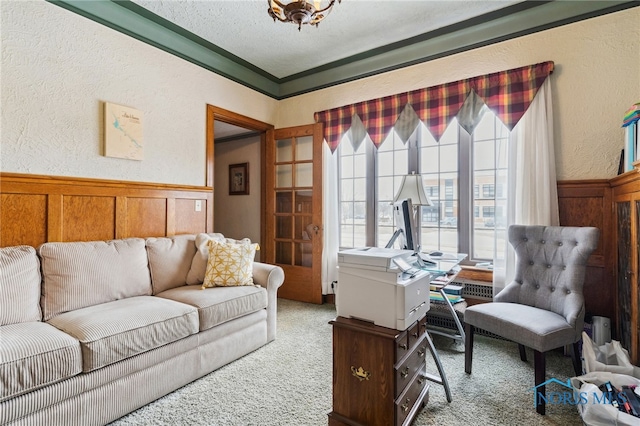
x=596, y=78
x=57, y=70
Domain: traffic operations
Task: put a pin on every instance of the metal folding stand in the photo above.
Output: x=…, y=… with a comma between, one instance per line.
x=460, y=335
x=442, y=379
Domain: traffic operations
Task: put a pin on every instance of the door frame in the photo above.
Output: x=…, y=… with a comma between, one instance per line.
x=220, y=114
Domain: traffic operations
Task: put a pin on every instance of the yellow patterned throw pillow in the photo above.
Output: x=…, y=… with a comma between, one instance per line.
x=230, y=264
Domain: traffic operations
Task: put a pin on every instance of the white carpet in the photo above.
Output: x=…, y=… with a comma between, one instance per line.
x=288, y=382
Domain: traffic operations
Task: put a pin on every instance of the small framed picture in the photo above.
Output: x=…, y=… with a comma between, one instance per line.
x=239, y=179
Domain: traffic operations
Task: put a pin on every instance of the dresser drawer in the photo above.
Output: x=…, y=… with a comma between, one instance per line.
x=413, y=333
x=410, y=400
x=410, y=365
x=402, y=344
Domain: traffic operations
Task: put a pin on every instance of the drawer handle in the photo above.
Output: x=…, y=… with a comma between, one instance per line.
x=421, y=380
x=404, y=373
x=405, y=406
x=422, y=351
x=416, y=334
x=403, y=346
x=360, y=373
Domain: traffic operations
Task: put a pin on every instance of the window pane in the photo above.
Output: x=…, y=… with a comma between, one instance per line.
x=346, y=167
x=360, y=189
x=283, y=176
x=304, y=148
x=304, y=174
x=401, y=162
x=490, y=161
x=283, y=150
x=485, y=129
x=360, y=165
x=385, y=163
x=483, y=155
x=359, y=236
x=386, y=189
x=429, y=160
x=449, y=158
x=346, y=189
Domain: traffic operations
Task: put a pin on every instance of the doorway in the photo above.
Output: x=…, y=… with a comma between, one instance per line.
x=290, y=232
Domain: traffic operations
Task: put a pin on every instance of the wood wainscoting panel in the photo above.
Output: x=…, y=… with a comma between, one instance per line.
x=190, y=221
x=590, y=203
x=87, y=218
x=23, y=219
x=146, y=217
x=36, y=209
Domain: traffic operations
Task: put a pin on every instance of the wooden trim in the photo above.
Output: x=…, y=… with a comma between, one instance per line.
x=84, y=209
x=210, y=148
x=214, y=114
x=590, y=203
x=236, y=119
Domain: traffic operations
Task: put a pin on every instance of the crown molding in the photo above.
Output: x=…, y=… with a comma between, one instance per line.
x=514, y=21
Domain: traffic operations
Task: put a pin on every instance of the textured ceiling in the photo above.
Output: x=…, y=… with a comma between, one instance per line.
x=244, y=28
x=238, y=40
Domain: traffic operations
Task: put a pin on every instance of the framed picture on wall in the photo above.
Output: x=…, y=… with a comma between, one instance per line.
x=239, y=179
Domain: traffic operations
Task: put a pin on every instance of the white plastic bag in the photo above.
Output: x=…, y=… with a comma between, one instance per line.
x=592, y=406
x=611, y=357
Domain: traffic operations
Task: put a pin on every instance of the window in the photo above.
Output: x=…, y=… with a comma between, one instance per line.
x=488, y=191
x=460, y=174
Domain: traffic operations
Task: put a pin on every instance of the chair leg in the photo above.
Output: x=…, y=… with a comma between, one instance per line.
x=540, y=374
x=468, y=347
x=523, y=353
x=575, y=357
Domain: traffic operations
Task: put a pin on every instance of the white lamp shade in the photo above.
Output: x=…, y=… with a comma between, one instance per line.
x=411, y=187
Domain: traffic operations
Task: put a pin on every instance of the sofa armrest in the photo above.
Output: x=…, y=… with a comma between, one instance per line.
x=270, y=277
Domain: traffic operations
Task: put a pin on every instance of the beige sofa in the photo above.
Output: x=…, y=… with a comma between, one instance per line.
x=90, y=331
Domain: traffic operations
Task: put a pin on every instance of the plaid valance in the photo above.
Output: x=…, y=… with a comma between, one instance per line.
x=507, y=93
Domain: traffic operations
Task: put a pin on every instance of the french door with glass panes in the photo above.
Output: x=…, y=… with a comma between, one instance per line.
x=294, y=209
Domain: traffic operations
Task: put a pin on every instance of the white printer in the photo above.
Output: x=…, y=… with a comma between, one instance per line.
x=372, y=287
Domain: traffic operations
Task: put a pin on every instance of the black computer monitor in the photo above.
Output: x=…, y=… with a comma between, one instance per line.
x=406, y=231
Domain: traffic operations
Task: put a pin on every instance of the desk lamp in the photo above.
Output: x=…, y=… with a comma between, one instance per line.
x=412, y=189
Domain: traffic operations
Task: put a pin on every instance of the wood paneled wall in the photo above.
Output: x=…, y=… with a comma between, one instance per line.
x=590, y=203
x=35, y=209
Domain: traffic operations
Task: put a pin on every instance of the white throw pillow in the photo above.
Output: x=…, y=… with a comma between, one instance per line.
x=199, y=262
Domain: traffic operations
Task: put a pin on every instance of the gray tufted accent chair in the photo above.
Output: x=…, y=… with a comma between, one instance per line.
x=543, y=308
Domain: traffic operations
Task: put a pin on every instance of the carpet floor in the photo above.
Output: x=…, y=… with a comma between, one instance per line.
x=288, y=382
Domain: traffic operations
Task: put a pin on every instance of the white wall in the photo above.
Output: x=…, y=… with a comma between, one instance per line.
x=596, y=78
x=237, y=216
x=57, y=70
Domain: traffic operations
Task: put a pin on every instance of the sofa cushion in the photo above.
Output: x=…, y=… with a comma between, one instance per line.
x=199, y=261
x=170, y=260
x=113, y=331
x=19, y=285
x=230, y=264
x=34, y=355
x=81, y=274
x=220, y=304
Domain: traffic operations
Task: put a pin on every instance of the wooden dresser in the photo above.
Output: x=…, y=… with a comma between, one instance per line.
x=379, y=375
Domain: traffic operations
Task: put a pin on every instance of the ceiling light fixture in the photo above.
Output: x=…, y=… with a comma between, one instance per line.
x=300, y=11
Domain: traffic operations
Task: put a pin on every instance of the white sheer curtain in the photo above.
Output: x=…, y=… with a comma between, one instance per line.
x=532, y=194
x=330, y=219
